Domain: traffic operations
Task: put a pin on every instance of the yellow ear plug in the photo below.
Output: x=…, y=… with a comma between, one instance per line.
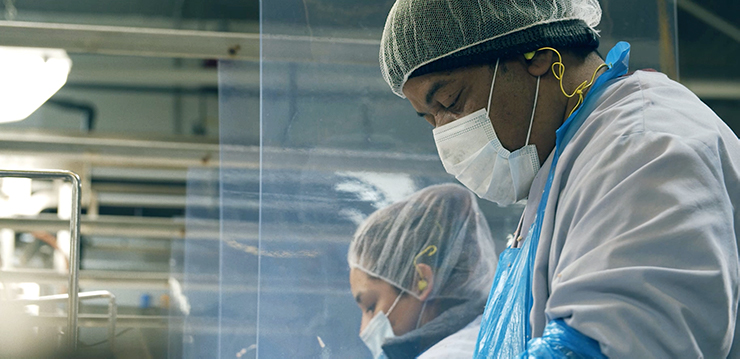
x=423, y=284
x=530, y=55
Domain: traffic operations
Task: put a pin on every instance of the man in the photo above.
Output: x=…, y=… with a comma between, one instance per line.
x=628, y=244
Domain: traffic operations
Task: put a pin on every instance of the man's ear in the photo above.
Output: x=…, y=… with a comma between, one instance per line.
x=539, y=64
x=425, y=284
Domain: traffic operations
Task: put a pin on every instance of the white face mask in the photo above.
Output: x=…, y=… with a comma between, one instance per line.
x=471, y=151
x=378, y=330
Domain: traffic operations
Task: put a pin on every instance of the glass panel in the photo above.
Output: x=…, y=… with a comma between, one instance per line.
x=649, y=26
x=214, y=309
x=194, y=310
x=239, y=196
x=337, y=145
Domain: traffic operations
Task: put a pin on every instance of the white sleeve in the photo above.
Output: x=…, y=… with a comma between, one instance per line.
x=649, y=264
x=460, y=345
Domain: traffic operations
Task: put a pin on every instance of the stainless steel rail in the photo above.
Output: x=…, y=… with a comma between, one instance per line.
x=112, y=307
x=74, y=243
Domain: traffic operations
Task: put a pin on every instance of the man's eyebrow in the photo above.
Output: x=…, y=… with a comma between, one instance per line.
x=358, y=298
x=430, y=94
x=433, y=90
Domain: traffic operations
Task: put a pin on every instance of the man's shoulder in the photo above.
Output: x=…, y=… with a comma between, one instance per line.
x=650, y=102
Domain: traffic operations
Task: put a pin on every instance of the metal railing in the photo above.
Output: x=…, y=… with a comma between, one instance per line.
x=98, y=294
x=74, y=243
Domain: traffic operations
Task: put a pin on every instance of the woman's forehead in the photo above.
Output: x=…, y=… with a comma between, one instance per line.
x=362, y=282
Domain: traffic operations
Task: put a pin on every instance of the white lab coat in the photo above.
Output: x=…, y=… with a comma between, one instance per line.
x=639, y=241
x=460, y=345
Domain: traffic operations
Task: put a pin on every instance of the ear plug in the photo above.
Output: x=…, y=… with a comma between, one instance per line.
x=423, y=284
x=429, y=251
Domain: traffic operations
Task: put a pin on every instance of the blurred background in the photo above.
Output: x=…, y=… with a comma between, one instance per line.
x=227, y=150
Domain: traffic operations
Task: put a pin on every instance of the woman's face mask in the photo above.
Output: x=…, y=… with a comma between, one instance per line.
x=378, y=330
x=471, y=151
x=380, y=320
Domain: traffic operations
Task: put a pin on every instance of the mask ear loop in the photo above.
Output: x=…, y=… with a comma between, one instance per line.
x=493, y=82
x=534, y=107
x=394, y=304
x=418, y=321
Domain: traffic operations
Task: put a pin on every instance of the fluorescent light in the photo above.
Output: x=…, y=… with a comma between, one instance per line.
x=29, y=77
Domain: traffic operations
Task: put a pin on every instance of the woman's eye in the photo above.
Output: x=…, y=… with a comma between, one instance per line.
x=371, y=309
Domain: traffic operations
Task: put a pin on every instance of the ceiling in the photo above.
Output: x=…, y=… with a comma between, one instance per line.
x=185, y=9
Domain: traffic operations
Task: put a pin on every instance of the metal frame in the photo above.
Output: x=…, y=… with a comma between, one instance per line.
x=74, y=243
x=116, y=40
x=710, y=19
x=161, y=281
x=134, y=41
x=112, y=307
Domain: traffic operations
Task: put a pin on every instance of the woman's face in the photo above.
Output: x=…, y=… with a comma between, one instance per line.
x=374, y=295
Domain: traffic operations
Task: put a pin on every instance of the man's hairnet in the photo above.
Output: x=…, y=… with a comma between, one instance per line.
x=445, y=216
x=454, y=33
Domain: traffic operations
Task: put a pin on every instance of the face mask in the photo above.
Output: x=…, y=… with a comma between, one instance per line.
x=471, y=151
x=378, y=330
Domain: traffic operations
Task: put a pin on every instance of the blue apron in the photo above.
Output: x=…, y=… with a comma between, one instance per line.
x=505, y=328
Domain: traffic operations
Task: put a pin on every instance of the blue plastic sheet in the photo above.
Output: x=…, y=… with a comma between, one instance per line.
x=509, y=302
x=561, y=341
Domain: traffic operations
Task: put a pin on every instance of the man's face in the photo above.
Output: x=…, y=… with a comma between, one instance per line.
x=443, y=97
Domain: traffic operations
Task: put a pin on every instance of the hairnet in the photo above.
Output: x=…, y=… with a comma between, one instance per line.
x=423, y=36
x=445, y=216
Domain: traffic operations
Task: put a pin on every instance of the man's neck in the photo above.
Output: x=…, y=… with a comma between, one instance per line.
x=580, y=74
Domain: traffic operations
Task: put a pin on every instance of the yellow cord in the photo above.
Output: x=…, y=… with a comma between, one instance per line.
x=559, y=75
x=423, y=282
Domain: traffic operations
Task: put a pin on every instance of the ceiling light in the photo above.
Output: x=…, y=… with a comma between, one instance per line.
x=29, y=77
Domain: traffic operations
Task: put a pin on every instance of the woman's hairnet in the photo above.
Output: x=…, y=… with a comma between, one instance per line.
x=452, y=33
x=444, y=216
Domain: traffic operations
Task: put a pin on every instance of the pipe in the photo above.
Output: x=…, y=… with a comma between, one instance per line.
x=88, y=109
x=667, y=43
x=710, y=19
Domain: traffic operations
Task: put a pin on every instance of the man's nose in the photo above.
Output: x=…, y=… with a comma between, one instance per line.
x=444, y=118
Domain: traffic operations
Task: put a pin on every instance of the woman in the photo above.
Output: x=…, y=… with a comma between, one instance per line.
x=420, y=271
